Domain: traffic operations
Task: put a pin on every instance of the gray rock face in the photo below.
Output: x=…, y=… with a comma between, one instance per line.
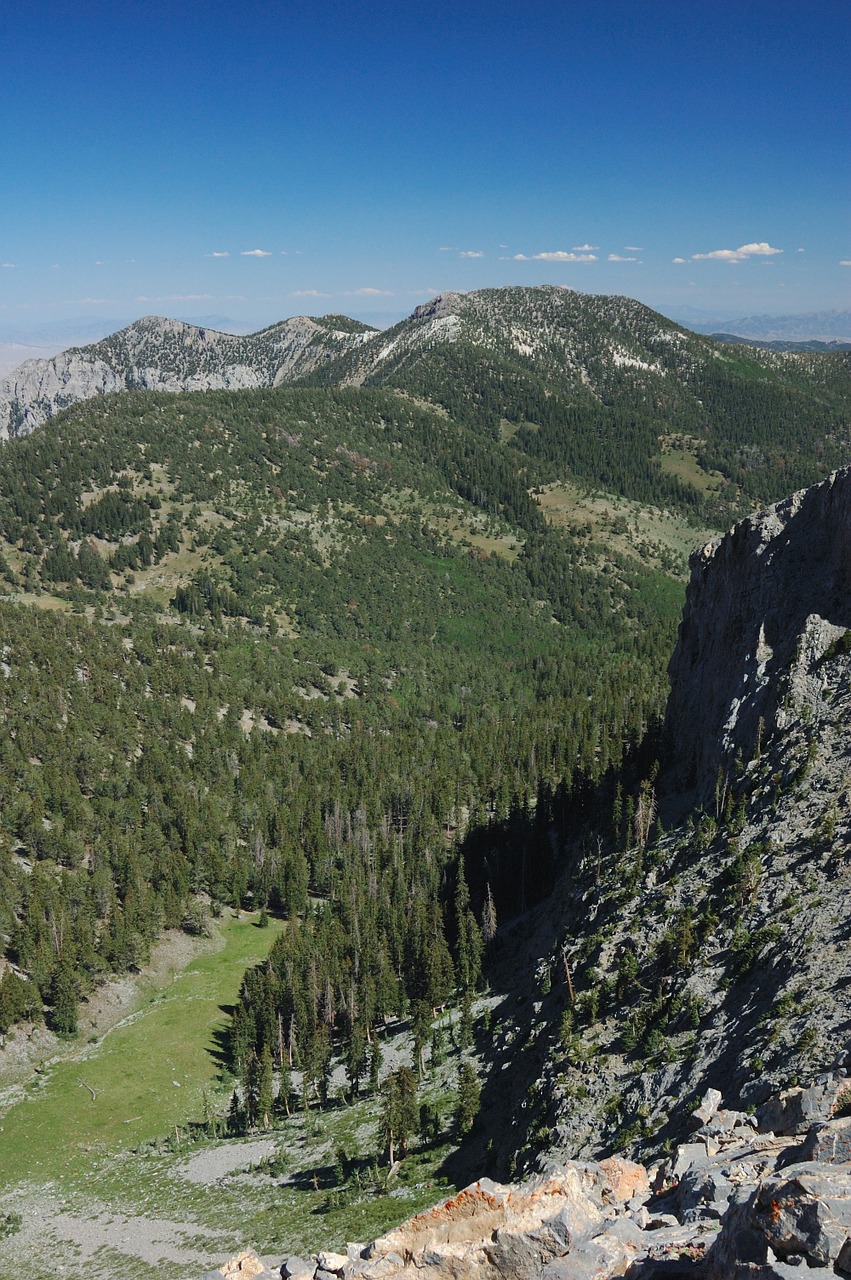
x=763, y=605
x=167, y=355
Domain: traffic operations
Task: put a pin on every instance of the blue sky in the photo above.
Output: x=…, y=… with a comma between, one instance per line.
x=258, y=160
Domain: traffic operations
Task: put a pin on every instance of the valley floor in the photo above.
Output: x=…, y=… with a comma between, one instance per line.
x=139, y=1188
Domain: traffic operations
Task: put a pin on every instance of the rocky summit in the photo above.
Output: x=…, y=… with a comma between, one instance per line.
x=764, y=605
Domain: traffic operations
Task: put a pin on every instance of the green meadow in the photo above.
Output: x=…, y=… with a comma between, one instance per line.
x=148, y=1074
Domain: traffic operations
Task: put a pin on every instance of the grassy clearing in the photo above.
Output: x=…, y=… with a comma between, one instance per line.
x=508, y=430
x=299, y=1198
x=679, y=459
x=660, y=539
x=148, y=1074
x=135, y=1193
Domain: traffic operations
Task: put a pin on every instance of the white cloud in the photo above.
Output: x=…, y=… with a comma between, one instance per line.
x=584, y=248
x=94, y=302
x=217, y=254
x=759, y=249
x=176, y=297
x=445, y=248
x=54, y=266
x=471, y=253
x=368, y=293
x=616, y=257
x=99, y=263
x=678, y=259
x=8, y=265
x=845, y=262
x=309, y=293
x=555, y=255
x=255, y=253
x=633, y=248
x=800, y=251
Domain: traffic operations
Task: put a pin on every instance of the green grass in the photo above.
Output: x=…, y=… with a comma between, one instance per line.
x=132, y=1071
x=297, y=1207
x=683, y=465
x=125, y=1154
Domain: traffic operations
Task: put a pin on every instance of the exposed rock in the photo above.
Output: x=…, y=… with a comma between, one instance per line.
x=763, y=605
x=167, y=355
x=709, y=1105
x=333, y=1262
x=829, y=1143
x=244, y=1266
x=803, y=1212
x=296, y=1268
x=726, y=1214
x=796, y=1110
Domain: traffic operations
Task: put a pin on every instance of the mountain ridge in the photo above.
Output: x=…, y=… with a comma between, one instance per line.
x=550, y=367
x=156, y=353
x=824, y=326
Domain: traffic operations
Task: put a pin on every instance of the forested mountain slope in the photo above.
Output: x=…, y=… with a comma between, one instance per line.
x=603, y=386
x=308, y=635
x=596, y=387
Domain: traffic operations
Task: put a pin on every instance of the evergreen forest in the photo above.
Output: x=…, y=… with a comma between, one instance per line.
x=318, y=651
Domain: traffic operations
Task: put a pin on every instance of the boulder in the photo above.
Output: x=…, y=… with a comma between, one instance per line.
x=296, y=1268
x=794, y=1111
x=709, y=1104
x=803, y=1211
x=829, y=1143
x=333, y=1262
x=244, y=1266
x=703, y=1192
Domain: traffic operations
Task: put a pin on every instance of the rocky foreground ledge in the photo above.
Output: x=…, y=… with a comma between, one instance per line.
x=765, y=1197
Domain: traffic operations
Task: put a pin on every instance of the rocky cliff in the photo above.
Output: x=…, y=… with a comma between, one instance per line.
x=167, y=355
x=763, y=605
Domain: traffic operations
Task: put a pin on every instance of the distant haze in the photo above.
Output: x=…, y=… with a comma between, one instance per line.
x=34, y=342
x=825, y=326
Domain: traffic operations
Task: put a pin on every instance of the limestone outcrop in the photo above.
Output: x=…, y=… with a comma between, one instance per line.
x=729, y=1203
x=764, y=604
x=158, y=354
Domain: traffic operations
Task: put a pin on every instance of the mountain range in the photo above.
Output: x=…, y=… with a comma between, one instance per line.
x=593, y=381
x=821, y=326
x=369, y=632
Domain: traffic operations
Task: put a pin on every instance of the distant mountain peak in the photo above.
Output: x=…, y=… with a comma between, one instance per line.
x=162, y=354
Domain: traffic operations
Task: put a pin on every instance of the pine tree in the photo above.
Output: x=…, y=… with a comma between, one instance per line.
x=399, y=1112
x=265, y=1090
x=356, y=1057
x=489, y=924
x=467, y=1098
x=375, y=1059
x=63, y=999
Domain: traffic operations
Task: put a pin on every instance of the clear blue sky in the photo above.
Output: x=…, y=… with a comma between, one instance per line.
x=258, y=160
